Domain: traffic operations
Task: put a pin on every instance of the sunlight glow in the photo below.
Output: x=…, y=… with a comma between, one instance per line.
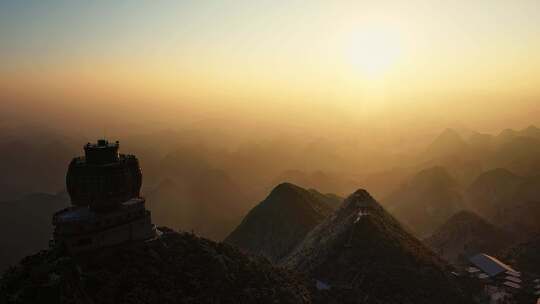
x=374, y=51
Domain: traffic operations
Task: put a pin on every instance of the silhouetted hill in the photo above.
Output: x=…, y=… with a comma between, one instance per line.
x=25, y=225
x=531, y=131
x=330, y=199
x=467, y=157
x=520, y=154
x=466, y=234
x=517, y=151
x=364, y=255
x=426, y=201
x=505, y=135
x=276, y=225
x=520, y=218
x=448, y=143
x=320, y=180
x=525, y=256
x=175, y=268
x=31, y=167
x=491, y=190
x=509, y=200
x=508, y=134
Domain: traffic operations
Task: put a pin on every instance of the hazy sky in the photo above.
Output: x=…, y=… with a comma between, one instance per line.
x=471, y=62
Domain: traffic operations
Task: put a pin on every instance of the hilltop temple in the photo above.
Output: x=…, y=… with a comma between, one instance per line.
x=107, y=209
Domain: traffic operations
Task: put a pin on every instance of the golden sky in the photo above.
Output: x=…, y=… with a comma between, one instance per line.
x=475, y=62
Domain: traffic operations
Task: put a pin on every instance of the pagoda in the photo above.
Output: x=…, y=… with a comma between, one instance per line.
x=107, y=209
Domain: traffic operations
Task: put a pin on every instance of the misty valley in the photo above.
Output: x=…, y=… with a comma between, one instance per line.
x=265, y=223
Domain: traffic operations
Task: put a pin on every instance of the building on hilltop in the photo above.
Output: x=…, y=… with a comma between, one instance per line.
x=491, y=265
x=107, y=209
x=501, y=282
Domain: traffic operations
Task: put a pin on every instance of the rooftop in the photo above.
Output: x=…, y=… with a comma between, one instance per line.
x=513, y=279
x=101, y=152
x=490, y=265
x=514, y=273
x=511, y=284
x=102, y=144
x=85, y=214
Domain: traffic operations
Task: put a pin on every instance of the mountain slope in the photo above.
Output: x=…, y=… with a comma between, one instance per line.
x=508, y=200
x=466, y=234
x=275, y=226
x=428, y=200
x=365, y=256
x=521, y=218
x=491, y=191
x=175, y=268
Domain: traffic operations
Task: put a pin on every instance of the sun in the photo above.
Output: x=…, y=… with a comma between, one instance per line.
x=373, y=51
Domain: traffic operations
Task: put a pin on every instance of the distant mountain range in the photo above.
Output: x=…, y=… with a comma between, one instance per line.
x=511, y=201
x=25, y=225
x=33, y=167
x=468, y=192
x=198, y=203
x=426, y=201
x=356, y=254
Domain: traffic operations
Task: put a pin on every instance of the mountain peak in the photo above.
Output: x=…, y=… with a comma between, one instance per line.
x=449, y=142
x=493, y=179
x=531, y=131
x=285, y=187
x=449, y=136
x=287, y=193
x=361, y=194
x=434, y=178
x=277, y=224
x=354, y=250
x=360, y=199
x=449, y=132
x=426, y=201
x=465, y=234
x=463, y=217
x=506, y=135
x=532, y=128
